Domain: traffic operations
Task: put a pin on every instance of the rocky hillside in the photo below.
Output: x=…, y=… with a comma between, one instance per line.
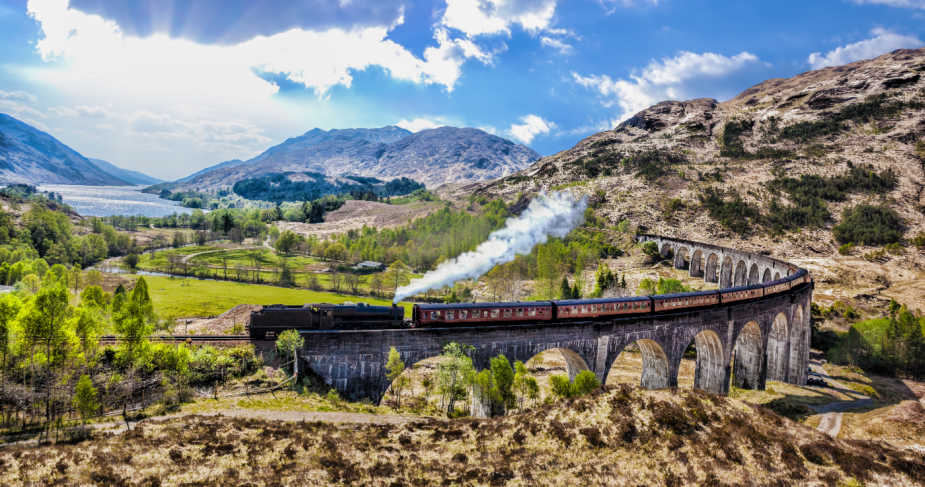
x=773, y=168
x=28, y=155
x=433, y=157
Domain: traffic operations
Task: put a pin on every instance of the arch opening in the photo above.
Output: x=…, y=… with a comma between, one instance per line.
x=709, y=372
x=682, y=259
x=776, y=276
x=740, y=274
x=753, y=274
x=747, y=358
x=642, y=362
x=712, y=268
x=553, y=361
x=725, y=278
x=766, y=277
x=777, y=349
x=665, y=251
x=797, y=326
x=696, y=269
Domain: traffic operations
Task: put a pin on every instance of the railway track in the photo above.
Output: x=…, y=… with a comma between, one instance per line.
x=200, y=339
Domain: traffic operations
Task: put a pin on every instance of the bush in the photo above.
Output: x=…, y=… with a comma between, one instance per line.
x=585, y=383
x=869, y=225
x=845, y=249
x=733, y=213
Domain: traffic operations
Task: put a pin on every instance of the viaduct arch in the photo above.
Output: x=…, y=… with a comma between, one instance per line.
x=752, y=341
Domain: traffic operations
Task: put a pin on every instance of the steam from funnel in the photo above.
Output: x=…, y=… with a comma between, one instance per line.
x=555, y=214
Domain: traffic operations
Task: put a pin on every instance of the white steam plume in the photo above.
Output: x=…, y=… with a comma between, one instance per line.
x=555, y=215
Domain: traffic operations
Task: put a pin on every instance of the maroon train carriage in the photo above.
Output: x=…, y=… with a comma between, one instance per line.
x=568, y=309
x=741, y=293
x=424, y=315
x=668, y=302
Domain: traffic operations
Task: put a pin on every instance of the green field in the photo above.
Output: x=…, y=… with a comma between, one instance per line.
x=181, y=297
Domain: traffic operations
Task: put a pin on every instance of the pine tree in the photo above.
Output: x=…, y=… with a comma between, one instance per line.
x=565, y=291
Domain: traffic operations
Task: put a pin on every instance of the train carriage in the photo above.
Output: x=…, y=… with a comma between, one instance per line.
x=569, y=309
x=668, y=302
x=460, y=314
x=741, y=293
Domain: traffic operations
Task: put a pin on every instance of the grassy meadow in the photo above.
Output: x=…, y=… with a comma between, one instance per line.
x=179, y=297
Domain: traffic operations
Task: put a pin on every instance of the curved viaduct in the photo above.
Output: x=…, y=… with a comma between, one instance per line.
x=753, y=341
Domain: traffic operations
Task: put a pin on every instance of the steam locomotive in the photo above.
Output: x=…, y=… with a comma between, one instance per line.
x=276, y=318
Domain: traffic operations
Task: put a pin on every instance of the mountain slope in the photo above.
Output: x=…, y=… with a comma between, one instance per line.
x=127, y=175
x=783, y=159
x=28, y=155
x=433, y=157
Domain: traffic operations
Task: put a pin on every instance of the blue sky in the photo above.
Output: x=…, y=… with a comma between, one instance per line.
x=171, y=86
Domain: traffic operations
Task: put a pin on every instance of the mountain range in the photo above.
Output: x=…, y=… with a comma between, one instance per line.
x=433, y=157
x=29, y=155
x=775, y=167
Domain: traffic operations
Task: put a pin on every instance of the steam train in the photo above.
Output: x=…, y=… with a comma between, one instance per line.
x=271, y=320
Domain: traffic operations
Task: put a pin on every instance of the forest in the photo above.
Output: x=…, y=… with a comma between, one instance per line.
x=308, y=186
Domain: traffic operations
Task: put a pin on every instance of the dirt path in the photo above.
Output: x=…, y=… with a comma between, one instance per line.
x=831, y=420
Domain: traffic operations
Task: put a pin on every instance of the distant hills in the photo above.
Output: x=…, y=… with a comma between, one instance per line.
x=432, y=157
x=132, y=177
x=29, y=155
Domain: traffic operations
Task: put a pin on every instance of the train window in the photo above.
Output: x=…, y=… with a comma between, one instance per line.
x=450, y=315
x=520, y=311
x=495, y=313
x=463, y=314
x=532, y=312
x=433, y=315
x=507, y=313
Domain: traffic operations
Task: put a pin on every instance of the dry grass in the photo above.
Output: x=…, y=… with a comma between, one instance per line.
x=621, y=437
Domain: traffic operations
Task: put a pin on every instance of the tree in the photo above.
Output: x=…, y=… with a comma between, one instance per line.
x=525, y=386
x=650, y=249
x=353, y=282
x=131, y=260
x=565, y=290
x=10, y=305
x=375, y=284
x=394, y=367
x=503, y=378
x=584, y=383
x=397, y=275
x=289, y=342
x=286, y=242
x=560, y=385
x=285, y=274
x=454, y=367
x=135, y=320
x=85, y=400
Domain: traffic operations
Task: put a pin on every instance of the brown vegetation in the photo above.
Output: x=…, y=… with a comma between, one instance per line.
x=619, y=437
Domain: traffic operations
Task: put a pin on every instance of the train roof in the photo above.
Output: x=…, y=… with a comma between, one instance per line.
x=509, y=304
x=748, y=287
x=687, y=294
x=571, y=302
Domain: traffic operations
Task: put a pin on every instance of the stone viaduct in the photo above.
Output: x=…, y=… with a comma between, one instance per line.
x=752, y=341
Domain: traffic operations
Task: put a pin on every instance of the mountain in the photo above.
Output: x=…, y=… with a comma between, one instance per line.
x=28, y=155
x=776, y=167
x=132, y=177
x=433, y=157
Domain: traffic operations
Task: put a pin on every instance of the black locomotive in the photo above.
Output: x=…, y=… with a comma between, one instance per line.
x=273, y=319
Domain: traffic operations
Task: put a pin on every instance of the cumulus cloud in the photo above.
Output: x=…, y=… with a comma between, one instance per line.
x=420, y=123
x=662, y=79
x=557, y=44
x=883, y=41
x=484, y=17
x=529, y=127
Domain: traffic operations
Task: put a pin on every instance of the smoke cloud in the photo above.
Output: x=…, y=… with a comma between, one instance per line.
x=552, y=215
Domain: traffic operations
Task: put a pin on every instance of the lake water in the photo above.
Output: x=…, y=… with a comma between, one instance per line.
x=114, y=200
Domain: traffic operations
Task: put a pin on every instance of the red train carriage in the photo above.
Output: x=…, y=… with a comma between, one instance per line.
x=478, y=313
x=669, y=302
x=741, y=293
x=567, y=309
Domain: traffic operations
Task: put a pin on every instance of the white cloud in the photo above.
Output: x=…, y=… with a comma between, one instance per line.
x=883, y=41
x=895, y=3
x=557, y=44
x=531, y=125
x=156, y=80
x=21, y=96
x=663, y=79
x=610, y=6
x=420, y=123
x=485, y=17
